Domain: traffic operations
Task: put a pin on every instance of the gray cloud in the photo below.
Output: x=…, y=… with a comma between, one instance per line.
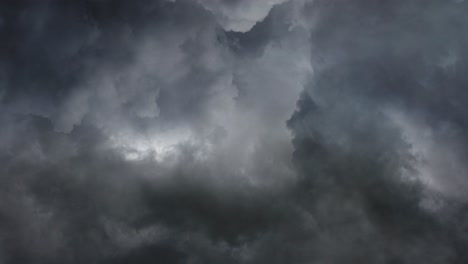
x=232, y=131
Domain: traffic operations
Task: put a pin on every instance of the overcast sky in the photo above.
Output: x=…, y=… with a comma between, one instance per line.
x=234, y=131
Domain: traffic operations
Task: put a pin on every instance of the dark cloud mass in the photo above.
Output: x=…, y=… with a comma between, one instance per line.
x=233, y=131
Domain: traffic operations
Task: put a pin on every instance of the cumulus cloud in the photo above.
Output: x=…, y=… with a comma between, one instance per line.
x=239, y=15
x=233, y=131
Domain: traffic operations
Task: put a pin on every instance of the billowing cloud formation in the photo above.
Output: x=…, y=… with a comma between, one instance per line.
x=239, y=15
x=204, y=131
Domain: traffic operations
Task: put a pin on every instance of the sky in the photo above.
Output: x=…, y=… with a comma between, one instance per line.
x=233, y=131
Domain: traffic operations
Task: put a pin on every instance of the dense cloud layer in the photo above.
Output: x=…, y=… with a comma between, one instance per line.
x=233, y=131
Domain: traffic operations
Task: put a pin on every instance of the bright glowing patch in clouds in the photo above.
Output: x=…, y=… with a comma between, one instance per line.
x=158, y=146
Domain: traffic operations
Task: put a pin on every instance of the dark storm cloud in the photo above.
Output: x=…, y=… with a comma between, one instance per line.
x=60, y=47
x=160, y=131
x=404, y=59
x=377, y=64
x=81, y=82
